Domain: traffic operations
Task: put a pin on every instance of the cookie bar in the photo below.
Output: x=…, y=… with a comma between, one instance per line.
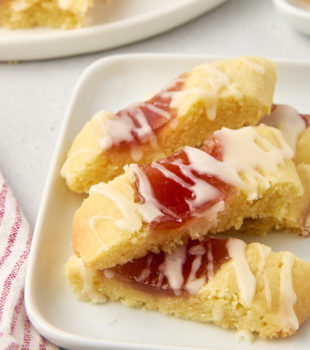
x=228, y=282
x=235, y=175
x=231, y=93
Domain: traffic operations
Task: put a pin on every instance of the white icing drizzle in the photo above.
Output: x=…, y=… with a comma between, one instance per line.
x=241, y=154
x=286, y=312
x=198, y=249
x=161, y=276
x=216, y=80
x=210, y=266
x=144, y=130
x=150, y=210
x=146, y=271
x=288, y=120
x=257, y=67
x=159, y=111
x=173, y=265
x=264, y=252
x=193, y=284
x=119, y=129
x=245, y=278
x=131, y=220
x=201, y=189
x=65, y=168
x=203, y=163
x=172, y=269
x=87, y=277
x=92, y=225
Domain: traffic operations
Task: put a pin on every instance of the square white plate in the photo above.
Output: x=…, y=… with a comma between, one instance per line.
x=110, y=25
x=111, y=84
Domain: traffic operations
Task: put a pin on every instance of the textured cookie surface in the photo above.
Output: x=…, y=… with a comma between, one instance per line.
x=254, y=289
x=64, y=14
x=231, y=93
x=237, y=174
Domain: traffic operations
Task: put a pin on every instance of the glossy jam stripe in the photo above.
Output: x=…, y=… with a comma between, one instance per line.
x=193, y=181
x=183, y=271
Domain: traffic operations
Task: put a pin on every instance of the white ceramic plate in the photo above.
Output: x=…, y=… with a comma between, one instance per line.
x=116, y=23
x=296, y=12
x=112, y=83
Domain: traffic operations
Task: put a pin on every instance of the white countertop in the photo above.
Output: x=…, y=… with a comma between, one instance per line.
x=34, y=95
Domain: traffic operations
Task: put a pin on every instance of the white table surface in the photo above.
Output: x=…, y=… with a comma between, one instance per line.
x=34, y=95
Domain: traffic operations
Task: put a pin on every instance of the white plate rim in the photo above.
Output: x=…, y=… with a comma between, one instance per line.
x=295, y=15
x=55, y=43
x=49, y=331
x=298, y=11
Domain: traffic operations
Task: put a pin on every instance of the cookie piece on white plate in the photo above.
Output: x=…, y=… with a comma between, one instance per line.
x=228, y=282
x=295, y=128
x=235, y=175
x=231, y=93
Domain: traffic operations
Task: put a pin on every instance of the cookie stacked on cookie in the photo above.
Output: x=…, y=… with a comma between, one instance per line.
x=197, y=165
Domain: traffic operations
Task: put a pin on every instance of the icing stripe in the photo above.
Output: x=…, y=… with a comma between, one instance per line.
x=288, y=298
x=137, y=124
x=87, y=278
x=173, y=266
x=212, y=80
x=131, y=220
x=264, y=252
x=245, y=278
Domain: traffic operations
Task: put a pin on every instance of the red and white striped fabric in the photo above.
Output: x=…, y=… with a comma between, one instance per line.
x=16, y=331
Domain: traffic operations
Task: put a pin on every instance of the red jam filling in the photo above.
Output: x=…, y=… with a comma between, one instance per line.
x=273, y=107
x=155, y=117
x=148, y=273
x=175, y=193
x=306, y=118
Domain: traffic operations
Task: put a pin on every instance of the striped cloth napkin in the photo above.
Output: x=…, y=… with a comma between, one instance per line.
x=16, y=331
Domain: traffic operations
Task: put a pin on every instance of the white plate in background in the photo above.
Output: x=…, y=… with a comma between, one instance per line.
x=296, y=12
x=52, y=306
x=113, y=24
